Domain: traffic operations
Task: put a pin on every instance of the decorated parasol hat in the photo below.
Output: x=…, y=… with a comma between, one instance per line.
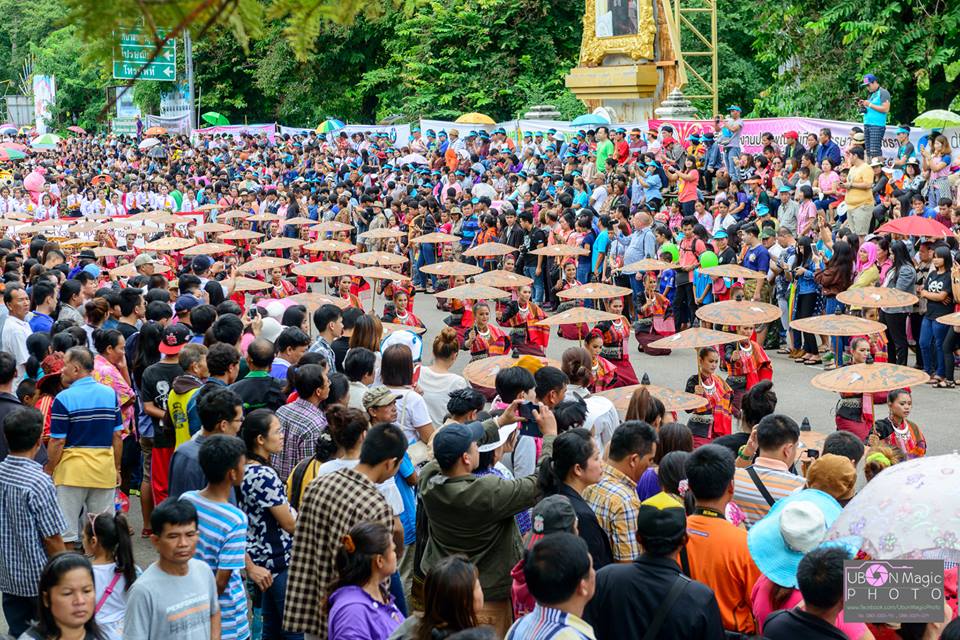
x=738, y=313
x=837, y=325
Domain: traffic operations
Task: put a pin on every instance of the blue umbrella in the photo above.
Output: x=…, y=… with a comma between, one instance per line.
x=589, y=119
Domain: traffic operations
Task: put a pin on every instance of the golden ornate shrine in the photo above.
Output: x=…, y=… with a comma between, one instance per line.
x=638, y=45
x=631, y=55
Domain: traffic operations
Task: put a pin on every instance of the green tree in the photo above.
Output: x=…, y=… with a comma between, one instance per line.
x=81, y=94
x=821, y=49
x=450, y=57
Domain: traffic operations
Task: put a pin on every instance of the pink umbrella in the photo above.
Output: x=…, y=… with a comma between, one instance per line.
x=77, y=129
x=15, y=146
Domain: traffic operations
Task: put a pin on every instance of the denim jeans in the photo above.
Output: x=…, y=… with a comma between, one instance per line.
x=731, y=155
x=583, y=273
x=427, y=256
x=531, y=272
x=830, y=305
x=932, y=334
x=636, y=284
x=272, y=607
x=18, y=612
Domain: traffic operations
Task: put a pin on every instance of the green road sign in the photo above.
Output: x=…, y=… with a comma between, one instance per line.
x=135, y=50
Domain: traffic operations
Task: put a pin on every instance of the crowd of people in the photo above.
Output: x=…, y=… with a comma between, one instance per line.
x=305, y=470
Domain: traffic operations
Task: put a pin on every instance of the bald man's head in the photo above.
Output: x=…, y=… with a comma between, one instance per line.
x=644, y=219
x=260, y=354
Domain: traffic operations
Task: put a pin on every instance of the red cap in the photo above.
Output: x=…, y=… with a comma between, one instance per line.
x=792, y=134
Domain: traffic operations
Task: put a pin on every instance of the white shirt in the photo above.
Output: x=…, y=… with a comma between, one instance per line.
x=14, y=341
x=436, y=388
x=411, y=412
x=602, y=417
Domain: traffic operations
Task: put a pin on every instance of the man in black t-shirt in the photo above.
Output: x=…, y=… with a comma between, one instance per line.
x=533, y=265
x=132, y=310
x=156, y=384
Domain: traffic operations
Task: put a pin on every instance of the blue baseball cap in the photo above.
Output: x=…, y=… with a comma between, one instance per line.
x=734, y=107
x=785, y=188
x=867, y=79
x=762, y=209
x=721, y=234
x=454, y=440
x=903, y=129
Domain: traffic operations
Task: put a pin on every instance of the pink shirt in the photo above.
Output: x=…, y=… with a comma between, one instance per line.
x=828, y=181
x=806, y=214
x=760, y=601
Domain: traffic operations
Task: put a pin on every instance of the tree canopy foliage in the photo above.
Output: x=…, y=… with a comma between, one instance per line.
x=300, y=61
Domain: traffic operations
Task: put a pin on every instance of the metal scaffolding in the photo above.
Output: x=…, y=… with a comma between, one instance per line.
x=692, y=25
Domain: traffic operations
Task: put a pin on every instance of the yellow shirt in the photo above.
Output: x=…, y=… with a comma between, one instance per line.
x=860, y=197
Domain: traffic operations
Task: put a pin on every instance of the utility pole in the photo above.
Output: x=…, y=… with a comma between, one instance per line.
x=188, y=63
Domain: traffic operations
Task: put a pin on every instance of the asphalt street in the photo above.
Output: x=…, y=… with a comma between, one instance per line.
x=932, y=408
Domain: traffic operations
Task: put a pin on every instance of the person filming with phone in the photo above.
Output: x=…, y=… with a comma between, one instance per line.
x=474, y=516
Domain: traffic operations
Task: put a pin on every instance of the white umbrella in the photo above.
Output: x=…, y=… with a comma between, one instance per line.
x=483, y=189
x=146, y=143
x=413, y=158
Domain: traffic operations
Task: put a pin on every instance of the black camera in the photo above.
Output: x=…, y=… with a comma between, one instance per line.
x=860, y=107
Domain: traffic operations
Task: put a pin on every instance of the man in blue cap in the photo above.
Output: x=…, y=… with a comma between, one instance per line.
x=905, y=151
x=474, y=516
x=875, y=109
x=730, y=135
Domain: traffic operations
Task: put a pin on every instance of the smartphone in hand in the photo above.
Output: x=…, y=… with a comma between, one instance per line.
x=528, y=424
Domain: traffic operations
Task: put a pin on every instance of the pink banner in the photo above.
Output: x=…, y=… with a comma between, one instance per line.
x=236, y=130
x=754, y=128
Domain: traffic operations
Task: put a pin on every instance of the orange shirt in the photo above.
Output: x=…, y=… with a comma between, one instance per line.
x=719, y=558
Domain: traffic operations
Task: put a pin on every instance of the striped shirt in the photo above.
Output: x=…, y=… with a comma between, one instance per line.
x=614, y=499
x=222, y=544
x=86, y=415
x=544, y=623
x=777, y=479
x=29, y=512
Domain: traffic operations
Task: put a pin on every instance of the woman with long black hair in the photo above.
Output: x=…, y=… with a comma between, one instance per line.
x=67, y=601
x=805, y=299
x=837, y=276
x=573, y=466
x=270, y=520
x=901, y=276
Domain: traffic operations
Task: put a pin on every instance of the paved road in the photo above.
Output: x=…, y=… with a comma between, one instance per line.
x=932, y=407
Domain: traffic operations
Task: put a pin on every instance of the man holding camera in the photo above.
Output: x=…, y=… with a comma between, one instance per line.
x=875, y=109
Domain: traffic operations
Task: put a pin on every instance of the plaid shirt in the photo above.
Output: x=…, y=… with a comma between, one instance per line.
x=29, y=512
x=330, y=506
x=614, y=499
x=302, y=423
x=321, y=346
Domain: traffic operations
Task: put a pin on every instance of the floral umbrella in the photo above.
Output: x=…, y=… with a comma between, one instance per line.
x=909, y=510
